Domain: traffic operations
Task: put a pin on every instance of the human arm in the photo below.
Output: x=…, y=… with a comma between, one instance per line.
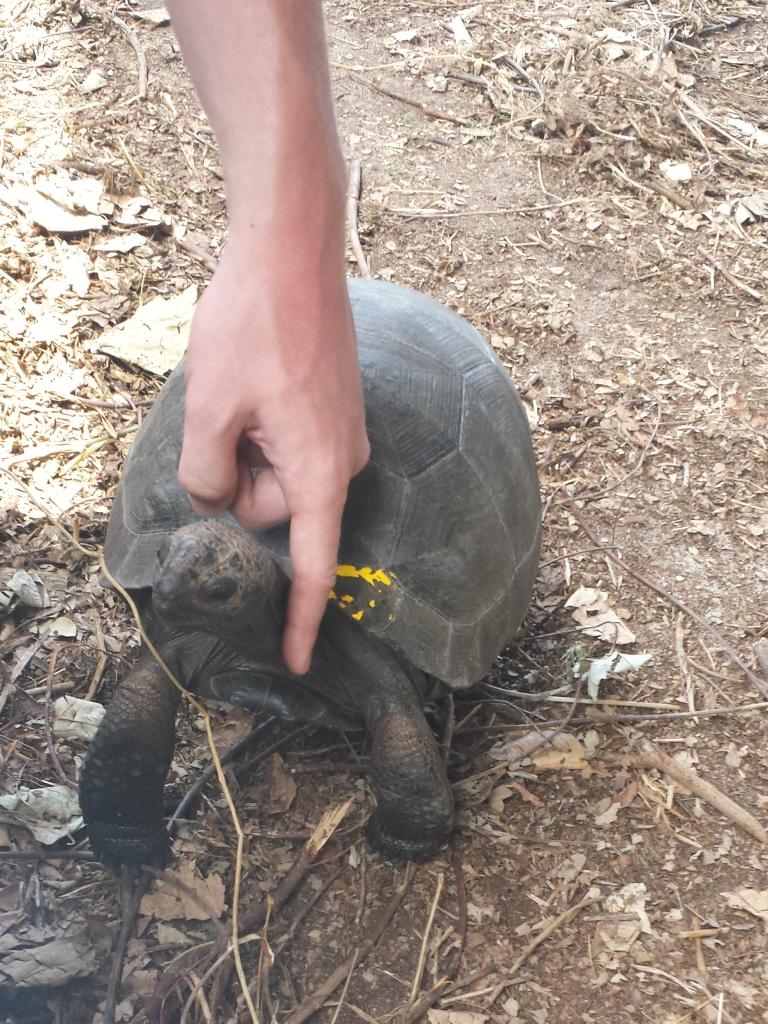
x=272, y=374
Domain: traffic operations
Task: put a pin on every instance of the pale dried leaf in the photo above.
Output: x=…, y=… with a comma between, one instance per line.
x=154, y=15
x=282, y=787
x=455, y=1017
x=50, y=965
x=74, y=718
x=155, y=337
x=572, y=758
x=50, y=814
x=63, y=626
x=93, y=81
x=754, y=901
x=169, y=903
x=592, y=610
x=121, y=243
x=26, y=588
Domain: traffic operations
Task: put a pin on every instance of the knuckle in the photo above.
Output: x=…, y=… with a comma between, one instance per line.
x=202, y=491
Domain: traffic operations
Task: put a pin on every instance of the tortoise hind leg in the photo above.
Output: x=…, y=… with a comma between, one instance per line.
x=121, y=785
x=414, y=814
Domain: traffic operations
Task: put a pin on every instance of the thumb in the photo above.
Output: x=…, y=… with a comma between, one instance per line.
x=208, y=467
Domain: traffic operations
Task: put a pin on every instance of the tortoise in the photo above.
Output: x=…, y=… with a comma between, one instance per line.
x=438, y=554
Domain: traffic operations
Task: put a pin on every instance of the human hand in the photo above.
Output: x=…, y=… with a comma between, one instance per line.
x=273, y=381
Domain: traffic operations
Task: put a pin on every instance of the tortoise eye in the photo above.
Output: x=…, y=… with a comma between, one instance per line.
x=219, y=590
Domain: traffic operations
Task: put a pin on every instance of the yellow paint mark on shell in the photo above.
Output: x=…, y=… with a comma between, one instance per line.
x=365, y=572
x=359, y=601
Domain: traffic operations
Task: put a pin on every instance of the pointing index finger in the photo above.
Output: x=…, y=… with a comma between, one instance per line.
x=314, y=544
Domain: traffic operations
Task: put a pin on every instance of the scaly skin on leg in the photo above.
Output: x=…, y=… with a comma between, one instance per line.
x=414, y=814
x=121, y=786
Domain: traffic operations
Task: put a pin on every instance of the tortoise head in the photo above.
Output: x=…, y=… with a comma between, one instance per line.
x=213, y=576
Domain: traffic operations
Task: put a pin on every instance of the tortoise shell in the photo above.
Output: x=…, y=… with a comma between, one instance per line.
x=441, y=530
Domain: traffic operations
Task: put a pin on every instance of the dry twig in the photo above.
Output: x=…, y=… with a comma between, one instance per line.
x=649, y=757
x=141, y=57
x=57, y=765
x=354, y=186
x=437, y=115
x=313, y=1002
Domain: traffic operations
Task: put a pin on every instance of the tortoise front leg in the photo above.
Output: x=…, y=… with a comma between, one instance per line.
x=414, y=814
x=121, y=785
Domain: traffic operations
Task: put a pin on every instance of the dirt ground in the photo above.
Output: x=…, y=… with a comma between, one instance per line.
x=588, y=185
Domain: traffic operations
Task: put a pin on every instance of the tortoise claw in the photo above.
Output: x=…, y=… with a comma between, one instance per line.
x=398, y=850
x=130, y=845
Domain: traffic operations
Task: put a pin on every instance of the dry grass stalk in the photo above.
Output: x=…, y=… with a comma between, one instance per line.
x=319, y=996
x=425, y=937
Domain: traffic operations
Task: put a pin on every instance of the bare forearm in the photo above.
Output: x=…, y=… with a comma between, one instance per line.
x=260, y=69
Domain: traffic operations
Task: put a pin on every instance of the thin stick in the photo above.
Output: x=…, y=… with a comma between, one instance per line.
x=729, y=277
x=425, y=938
x=761, y=686
x=323, y=991
x=141, y=57
x=42, y=451
x=57, y=765
x=682, y=660
x=132, y=893
x=761, y=655
x=240, y=843
x=543, y=935
x=226, y=758
x=85, y=855
x=353, y=203
x=437, y=115
x=101, y=664
x=418, y=1009
x=649, y=757
x=501, y=211
x=254, y=919
x=197, y=251
x=598, y=720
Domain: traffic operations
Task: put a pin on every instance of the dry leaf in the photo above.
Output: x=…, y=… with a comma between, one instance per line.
x=608, y=817
x=121, y=243
x=61, y=205
x=676, y=171
x=93, y=81
x=50, y=814
x=154, y=15
x=28, y=588
x=455, y=1017
x=461, y=35
x=63, y=626
x=50, y=965
x=282, y=787
x=155, y=337
x=168, y=903
x=754, y=901
x=591, y=609
x=75, y=718
x=407, y=35
x=572, y=758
